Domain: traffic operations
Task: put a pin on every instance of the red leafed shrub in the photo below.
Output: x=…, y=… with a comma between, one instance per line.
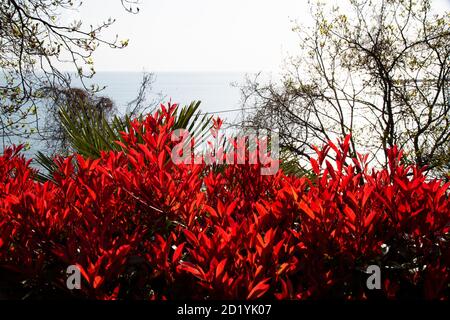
x=139, y=226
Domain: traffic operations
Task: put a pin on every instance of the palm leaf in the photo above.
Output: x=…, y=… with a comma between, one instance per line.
x=89, y=134
x=46, y=163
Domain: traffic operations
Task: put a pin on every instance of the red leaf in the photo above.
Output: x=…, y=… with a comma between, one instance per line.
x=330, y=169
x=220, y=208
x=369, y=218
x=261, y=210
x=161, y=158
x=349, y=213
x=367, y=192
x=307, y=209
x=12, y=199
x=259, y=290
x=401, y=183
x=268, y=237
x=191, y=237
x=282, y=268
x=315, y=165
x=231, y=208
x=83, y=273
x=220, y=267
x=98, y=280
x=211, y=211
x=177, y=253
x=193, y=269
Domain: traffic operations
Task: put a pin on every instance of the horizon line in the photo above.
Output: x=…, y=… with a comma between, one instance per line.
x=178, y=71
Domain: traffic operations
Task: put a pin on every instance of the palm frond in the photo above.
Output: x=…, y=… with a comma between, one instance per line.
x=47, y=164
x=89, y=133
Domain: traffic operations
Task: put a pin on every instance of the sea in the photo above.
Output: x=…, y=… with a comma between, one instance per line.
x=219, y=93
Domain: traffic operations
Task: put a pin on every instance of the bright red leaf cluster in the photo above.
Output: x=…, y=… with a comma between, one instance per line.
x=140, y=227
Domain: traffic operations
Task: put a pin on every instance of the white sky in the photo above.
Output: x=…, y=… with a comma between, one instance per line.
x=201, y=35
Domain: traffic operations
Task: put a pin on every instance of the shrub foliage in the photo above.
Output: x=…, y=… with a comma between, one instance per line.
x=139, y=226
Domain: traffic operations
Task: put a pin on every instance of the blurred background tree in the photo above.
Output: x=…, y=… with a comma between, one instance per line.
x=378, y=70
x=35, y=43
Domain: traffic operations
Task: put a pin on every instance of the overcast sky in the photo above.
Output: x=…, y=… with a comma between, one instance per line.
x=201, y=35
